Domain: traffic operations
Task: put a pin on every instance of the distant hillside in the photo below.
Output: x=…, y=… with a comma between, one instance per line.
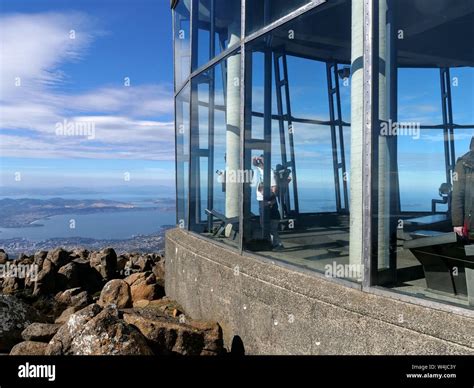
x=22, y=212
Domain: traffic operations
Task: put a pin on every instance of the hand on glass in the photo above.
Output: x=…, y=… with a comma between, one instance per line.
x=459, y=230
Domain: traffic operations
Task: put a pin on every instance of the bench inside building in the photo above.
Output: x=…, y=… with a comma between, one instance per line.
x=448, y=263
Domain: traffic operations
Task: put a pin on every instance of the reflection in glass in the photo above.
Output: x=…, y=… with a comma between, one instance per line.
x=426, y=124
x=297, y=138
x=182, y=157
x=215, y=144
x=182, y=48
x=218, y=27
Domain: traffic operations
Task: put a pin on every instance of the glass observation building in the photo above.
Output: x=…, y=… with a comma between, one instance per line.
x=331, y=136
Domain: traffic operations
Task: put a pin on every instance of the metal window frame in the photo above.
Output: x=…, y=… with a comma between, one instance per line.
x=177, y=88
x=183, y=160
x=277, y=23
x=243, y=81
x=370, y=117
x=243, y=39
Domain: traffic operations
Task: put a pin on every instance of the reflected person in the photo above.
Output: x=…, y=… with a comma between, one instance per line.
x=271, y=202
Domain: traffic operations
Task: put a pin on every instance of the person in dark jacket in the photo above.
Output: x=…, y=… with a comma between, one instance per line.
x=463, y=195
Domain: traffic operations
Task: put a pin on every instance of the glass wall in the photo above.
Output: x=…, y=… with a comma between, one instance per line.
x=215, y=145
x=218, y=28
x=259, y=13
x=423, y=166
x=354, y=155
x=297, y=138
x=182, y=41
x=182, y=156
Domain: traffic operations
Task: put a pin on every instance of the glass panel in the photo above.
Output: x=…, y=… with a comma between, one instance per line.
x=462, y=88
x=182, y=50
x=297, y=139
x=218, y=28
x=215, y=155
x=259, y=13
x=424, y=186
x=182, y=157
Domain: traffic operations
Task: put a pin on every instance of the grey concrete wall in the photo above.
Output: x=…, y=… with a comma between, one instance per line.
x=278, y=310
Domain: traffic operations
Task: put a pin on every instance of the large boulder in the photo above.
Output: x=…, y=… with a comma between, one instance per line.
x=59, y=257
x=168, y=335
x=46, y=280
x=122, y=261
x=116, y=292
x=66, y=314
x=143, y=285
x=159, y=270
x=39, y=258
x=12, y=284
x=73, y=297
x=47, y=306
x=15, y=316
x=144, y=263
x=24, y=259
x=61, y=342
x=89, y=278
x=164, y=305
x=105, y=262
x=3, y=257
x=131, y=279
x=80, y=253
x=29, y=348
x=68, y=276
x=42, y=332
x=98, y=333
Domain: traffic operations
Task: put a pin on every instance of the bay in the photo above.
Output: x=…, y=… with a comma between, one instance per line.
x=107, y=225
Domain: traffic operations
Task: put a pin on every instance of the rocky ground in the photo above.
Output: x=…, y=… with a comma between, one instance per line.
x=143, y=243
x=97, y=303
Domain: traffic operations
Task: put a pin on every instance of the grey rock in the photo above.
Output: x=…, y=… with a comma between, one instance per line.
x=39, y=258
x=98, y=333
x=66, y=314
x=74, y=297
x=116, y=292
x=29, y=348
x=3, y=256
x=61, y=342
x=168, y=335
x=145, y=263
x=105, y=262
x=12, y=284
x=15, y=316
x=89, y=278
x=80, y=254
x=59, y=257
x=121, y=263
x=46, y=280
x=68, y=276
x=42, y=332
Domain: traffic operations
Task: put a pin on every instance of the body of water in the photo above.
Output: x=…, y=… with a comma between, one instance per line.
x=140, y=200
x=127, y=224
x=107, y=225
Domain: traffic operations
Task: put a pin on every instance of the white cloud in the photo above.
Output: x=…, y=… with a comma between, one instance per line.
x=34, y=45
x=127, y=120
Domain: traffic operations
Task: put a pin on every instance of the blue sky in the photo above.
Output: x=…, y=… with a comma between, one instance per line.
x=106, y=64
x=72, y=59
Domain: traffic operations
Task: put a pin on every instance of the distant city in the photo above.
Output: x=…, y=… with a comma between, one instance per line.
x=42, y=219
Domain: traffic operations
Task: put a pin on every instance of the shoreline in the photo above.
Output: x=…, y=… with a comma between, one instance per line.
x=31, y=222
x=148, y=243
